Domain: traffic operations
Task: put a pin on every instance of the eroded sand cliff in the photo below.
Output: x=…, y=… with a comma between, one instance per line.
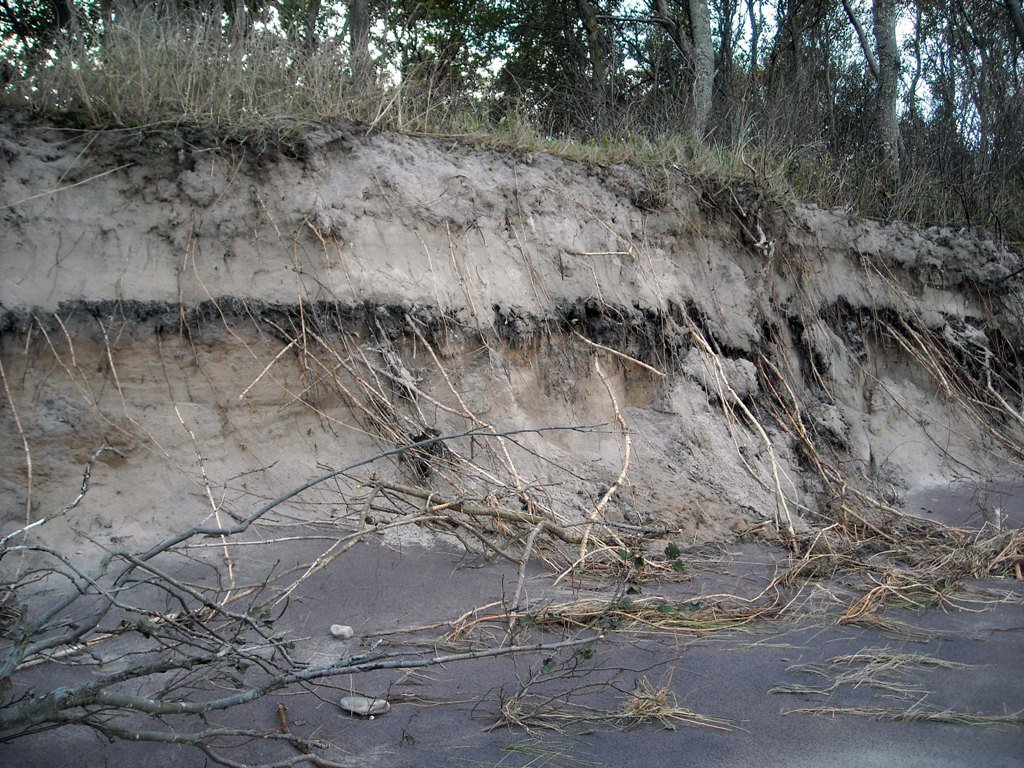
x=179, y=296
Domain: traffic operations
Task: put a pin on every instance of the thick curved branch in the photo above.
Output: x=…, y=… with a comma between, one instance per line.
x=202, y=530
x=869, y=55
x=51, y=706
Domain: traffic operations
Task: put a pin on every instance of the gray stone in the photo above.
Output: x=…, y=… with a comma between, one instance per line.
x=341, y=631
x=364, y=706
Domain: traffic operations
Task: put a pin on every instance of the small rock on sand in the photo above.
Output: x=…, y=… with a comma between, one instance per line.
x=341, y=631
x=364, y=706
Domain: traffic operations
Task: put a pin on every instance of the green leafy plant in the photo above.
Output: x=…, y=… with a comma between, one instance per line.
x=672, y=553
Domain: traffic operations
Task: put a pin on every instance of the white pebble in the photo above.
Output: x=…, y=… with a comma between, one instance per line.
x=341, y=631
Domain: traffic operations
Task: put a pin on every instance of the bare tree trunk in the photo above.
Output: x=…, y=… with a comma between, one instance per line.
x=312, y=16
x=239, y=21
x=724, y=60
x=596, y=52
x=703, y=64
x=753, y=91
x=884, y=18
x=912, y=101
x=698, y=49
x=671, y=25
x=754, y=15
x=785, y=25
x=884, y=63
x=359, y=36
x=796, y=31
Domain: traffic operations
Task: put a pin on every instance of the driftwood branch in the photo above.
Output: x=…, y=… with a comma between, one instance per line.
x=206, y=635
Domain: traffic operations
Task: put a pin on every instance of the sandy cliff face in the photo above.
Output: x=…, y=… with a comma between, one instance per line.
x=236, y=320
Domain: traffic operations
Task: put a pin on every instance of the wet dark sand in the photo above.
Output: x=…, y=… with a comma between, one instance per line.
x=439, y=714
x=965, y=505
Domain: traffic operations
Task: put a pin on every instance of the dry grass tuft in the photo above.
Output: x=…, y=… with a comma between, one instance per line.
x=648, y=703
x=148, y=70
x=916, y=715
x=880, y=669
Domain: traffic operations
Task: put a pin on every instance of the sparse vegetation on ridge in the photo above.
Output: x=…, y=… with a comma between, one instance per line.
x=160, y=65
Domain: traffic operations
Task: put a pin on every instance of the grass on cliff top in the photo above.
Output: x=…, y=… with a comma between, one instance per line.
x=150, y=73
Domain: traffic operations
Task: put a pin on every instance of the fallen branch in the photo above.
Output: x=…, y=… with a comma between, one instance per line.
x=86, y=476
